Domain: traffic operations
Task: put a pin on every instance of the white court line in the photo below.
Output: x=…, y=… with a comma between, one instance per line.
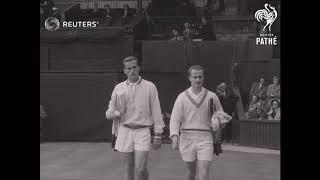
x=228, y=147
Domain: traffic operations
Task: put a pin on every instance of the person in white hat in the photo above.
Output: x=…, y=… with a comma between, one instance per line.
x=191, y=116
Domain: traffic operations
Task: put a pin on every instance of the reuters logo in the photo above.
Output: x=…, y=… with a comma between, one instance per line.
x=52, y=24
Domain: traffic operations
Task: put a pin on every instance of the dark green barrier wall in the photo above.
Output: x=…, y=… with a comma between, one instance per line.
x=76, y=106
x=85, y=51
x=260, y=133
x=175, y=56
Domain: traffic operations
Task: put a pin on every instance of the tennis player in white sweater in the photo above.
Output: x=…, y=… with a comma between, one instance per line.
x=191, y=126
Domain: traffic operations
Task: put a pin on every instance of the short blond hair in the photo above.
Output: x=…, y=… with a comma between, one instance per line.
x=195, y=67
x=129, y=59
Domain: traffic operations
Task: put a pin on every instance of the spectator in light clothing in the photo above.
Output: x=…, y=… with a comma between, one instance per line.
x=274, y=113
x=252, y=106
x=273, y=91
x=258, y=89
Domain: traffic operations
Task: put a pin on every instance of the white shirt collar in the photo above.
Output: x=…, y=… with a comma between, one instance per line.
x=135, y=83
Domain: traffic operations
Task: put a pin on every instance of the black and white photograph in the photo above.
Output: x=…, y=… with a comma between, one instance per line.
x=160, y=89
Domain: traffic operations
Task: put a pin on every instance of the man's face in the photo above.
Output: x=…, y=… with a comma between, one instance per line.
x=131, y=69
x=261, y=81
x=275, y=81
x=196, y=78
x=254, y=99
x=275, y=104
x=223, y=87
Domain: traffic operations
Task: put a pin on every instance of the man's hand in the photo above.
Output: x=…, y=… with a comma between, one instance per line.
x=222, y=125
x=113, y=115
x=157, y=143
x=175, y=142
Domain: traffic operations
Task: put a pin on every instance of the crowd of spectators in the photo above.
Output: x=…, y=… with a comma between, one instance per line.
x=264, y=100
x=202, y=31
x=108, y=16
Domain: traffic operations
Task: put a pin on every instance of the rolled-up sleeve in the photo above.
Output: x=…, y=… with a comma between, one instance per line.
x=156, y=110
x=176, y=117
x=111, y=106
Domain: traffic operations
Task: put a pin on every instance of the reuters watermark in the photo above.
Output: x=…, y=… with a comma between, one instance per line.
x=266, y=16
x=52, y=24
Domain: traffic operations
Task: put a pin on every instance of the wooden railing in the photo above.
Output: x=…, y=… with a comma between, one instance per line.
x=260, y=133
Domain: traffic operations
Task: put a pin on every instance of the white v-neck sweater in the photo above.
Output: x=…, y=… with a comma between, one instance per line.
x=193, y=115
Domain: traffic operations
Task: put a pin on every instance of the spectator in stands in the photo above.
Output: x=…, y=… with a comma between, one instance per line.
x=97, y=14
x=274, y=89
x=228, y=101
x=252, y=106
x=188, y=33
x=274, y=113
x=107, y=11
x=258, y=89
x=206, y=31
x=199, y=5
x=175, y=35
x=127, y=14
x=107, y=14
x=259, y=111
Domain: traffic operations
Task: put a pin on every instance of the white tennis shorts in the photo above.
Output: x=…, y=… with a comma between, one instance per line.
x=195, y=149
x=129, y=140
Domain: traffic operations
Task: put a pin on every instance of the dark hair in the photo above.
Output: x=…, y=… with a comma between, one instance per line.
x=195, y=67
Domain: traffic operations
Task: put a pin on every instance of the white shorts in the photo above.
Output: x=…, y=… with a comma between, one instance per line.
x=194, y=149
x=129, y=140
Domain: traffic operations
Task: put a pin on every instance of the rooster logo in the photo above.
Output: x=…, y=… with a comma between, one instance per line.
x=269, y=14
